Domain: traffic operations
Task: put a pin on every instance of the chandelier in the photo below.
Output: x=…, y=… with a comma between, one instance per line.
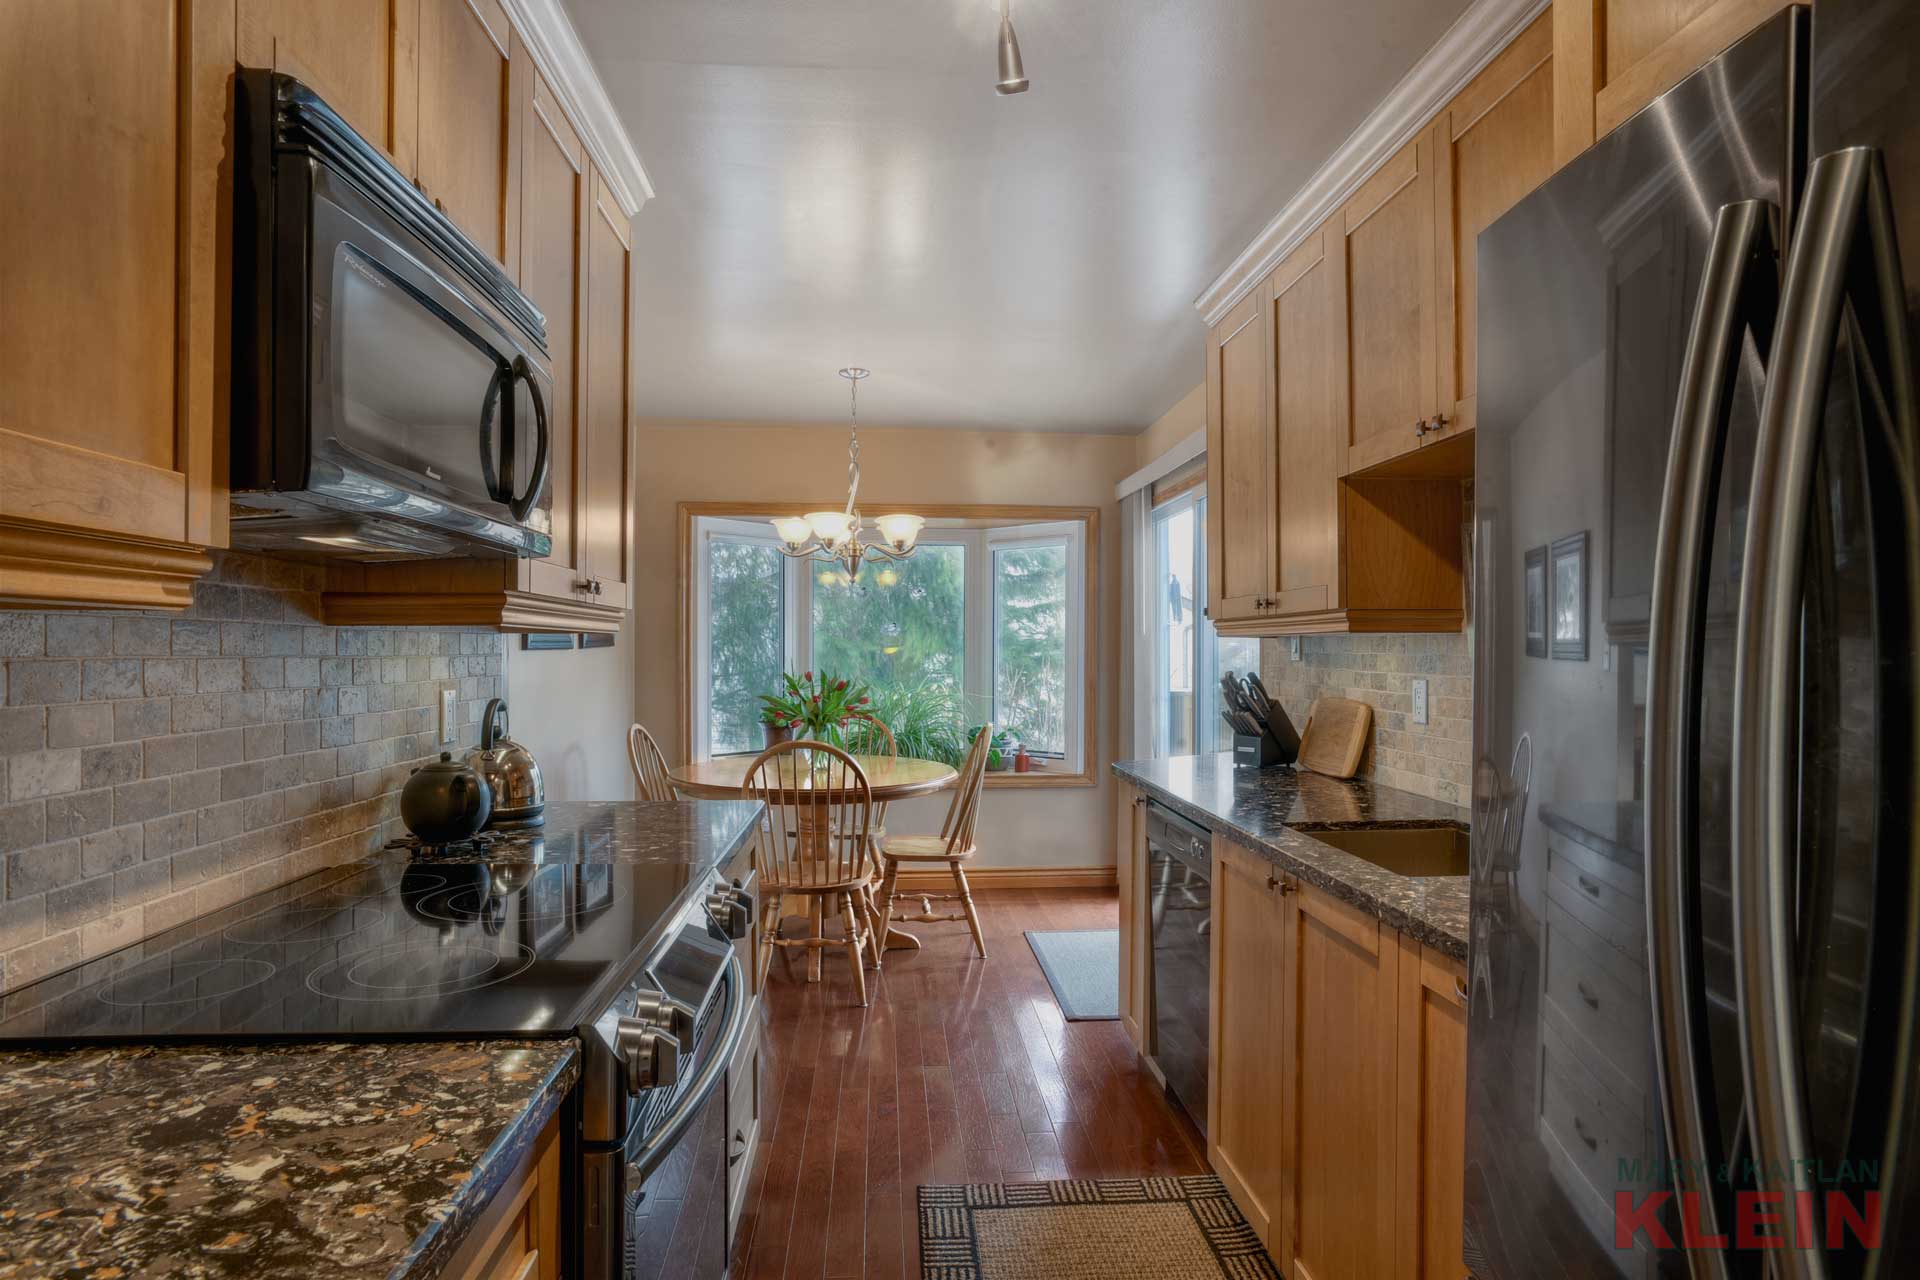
x=836, y=537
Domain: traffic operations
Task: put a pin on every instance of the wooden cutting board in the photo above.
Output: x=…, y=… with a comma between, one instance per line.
x=1336, y=736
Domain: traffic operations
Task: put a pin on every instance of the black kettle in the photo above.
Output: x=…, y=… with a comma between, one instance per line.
x=445, y=801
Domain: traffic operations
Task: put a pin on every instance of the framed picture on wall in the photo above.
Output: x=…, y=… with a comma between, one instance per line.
x=1535, y=579
x=1567, y=573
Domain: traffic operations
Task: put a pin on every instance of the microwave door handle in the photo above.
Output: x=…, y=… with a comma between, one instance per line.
x=523, y=505
x=496, y=489
x=1848, y=212
x=1739, y=292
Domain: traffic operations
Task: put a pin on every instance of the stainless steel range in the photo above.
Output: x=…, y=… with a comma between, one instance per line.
x=570, y=931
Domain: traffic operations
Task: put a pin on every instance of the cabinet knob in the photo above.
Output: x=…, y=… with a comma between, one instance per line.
x=1273, y=881
x=1439, y=421
x=1286, y=887
x=1420, y=429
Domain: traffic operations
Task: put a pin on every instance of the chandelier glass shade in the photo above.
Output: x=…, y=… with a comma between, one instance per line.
x=841, y=537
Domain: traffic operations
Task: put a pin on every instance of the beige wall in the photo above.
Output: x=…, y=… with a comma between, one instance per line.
x=1068, y=827
x=1175, y=425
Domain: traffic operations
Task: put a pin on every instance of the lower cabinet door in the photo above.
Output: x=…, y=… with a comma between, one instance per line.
x=1432, y=1120
x=1244, y=1085
x=1338, y=1043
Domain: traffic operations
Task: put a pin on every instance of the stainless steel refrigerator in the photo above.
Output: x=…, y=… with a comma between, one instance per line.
x=1696, y=910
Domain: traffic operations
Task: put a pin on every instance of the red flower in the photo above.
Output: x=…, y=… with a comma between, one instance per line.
x=816, y=699
x=807, y=676
x=838, y=687
x=860, y=701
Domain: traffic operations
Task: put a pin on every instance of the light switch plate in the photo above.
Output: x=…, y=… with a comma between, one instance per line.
x=1419, y=699
x=449, y=700
x=1293, y=647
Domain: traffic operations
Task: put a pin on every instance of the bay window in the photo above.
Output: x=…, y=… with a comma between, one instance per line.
x=987, y=622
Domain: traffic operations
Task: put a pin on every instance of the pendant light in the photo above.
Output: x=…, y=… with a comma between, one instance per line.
x=835, y=536
x=1013, y=76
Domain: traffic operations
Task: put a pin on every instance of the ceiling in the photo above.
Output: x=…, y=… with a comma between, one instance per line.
x=839, y=184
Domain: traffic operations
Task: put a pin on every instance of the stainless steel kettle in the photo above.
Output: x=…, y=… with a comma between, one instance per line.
x=519, y=796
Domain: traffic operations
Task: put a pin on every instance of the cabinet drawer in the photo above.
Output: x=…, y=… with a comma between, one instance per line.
x=1597, y=993
x=1592, y=1126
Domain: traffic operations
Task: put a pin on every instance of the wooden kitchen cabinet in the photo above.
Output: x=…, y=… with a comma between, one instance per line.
x=469, y=157
x=1307, y=446
x=1613, y=57
x=1381, y=244
x=113, y=328
x=1240, y=534
x=1337, y=1056
x=1431, y=1119
x=553, y=228
x=1493, y=144
x=606, y=476
x=518, y=1234
x=361, y=56
x=1245, y=1089
x=1293, y=548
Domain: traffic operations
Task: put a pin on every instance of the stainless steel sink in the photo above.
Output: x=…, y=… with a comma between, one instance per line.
x=1405, y=851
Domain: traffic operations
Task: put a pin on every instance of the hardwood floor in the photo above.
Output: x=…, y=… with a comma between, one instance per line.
x=962, y=1070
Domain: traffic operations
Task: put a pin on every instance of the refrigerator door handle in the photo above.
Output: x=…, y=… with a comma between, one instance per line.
x=1844, y=250
x=1739, y=292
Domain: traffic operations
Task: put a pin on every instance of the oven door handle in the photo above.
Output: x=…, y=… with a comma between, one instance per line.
x=659, y=1143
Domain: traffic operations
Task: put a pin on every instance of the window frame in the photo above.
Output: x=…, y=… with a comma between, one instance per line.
x=1011, y=527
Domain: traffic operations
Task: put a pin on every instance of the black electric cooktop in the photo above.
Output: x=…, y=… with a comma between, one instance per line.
x=523, y=938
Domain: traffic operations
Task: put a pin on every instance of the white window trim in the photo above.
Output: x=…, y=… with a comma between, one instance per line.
x=981, y=619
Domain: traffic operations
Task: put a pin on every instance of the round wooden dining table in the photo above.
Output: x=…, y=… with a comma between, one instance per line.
x=891, y=778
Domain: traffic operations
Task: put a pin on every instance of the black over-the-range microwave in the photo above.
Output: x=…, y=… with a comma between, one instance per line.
x=390, y=384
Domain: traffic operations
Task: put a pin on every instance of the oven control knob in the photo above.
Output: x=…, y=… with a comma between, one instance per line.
x=650, y=1053
x=635, y=1189
x=732, y=907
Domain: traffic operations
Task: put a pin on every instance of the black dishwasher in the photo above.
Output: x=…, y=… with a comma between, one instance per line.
x=1180, y=876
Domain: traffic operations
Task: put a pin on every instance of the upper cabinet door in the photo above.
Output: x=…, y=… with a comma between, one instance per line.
x=1494, y=144
x=609, y=397
x=359, y=55
x=1382, y=245
x=554, y=199
x=1309, y=451
x=1240, y=538
x=1613, y=57
x=112, y=317
x=468, y=158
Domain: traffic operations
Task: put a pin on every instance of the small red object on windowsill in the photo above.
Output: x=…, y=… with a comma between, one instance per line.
x=1022, y=762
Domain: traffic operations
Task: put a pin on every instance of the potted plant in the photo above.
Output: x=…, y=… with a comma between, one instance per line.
x=1000, y=749
x=774, y=726
x=816, y=707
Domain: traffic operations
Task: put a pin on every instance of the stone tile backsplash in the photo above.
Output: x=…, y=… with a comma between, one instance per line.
x=157, y=767
x=1432, y=759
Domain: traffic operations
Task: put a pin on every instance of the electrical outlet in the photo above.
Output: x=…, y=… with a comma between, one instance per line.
x=449, y=710
x=1419, y=699
x=1293, y=647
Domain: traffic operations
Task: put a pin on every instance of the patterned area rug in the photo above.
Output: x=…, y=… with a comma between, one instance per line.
x=1171, y=1228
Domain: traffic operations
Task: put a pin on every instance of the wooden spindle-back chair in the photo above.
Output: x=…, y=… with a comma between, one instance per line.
x=954, y=845
x=649, y=765
x=815, y=843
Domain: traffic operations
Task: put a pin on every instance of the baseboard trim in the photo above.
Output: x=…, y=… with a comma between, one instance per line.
x=936, y=880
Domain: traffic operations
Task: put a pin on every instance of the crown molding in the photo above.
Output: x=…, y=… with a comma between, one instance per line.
x=563, y=60
x=1469, y=44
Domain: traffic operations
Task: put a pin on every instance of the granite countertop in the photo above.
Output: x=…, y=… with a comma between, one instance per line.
x=1274, y=812
x=1616, y=831
x=308, y=1161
